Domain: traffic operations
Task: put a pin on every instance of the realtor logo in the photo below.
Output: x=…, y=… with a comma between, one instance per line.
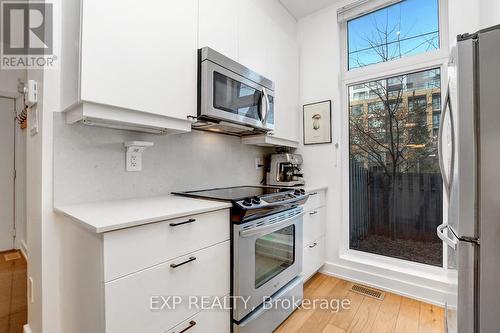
x=27, y=34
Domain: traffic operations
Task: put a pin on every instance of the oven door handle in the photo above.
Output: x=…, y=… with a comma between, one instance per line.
x=269, y=228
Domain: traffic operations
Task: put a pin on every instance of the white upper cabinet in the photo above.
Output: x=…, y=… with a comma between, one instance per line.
x=283, y=62
x=137, y=58
x=253, y=35
x=218, y=26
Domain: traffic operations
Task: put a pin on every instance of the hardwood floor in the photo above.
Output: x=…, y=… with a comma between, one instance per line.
x=13, y=298
x=395, y=314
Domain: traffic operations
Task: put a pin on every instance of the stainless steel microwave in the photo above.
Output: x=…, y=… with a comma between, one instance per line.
x=231, y=97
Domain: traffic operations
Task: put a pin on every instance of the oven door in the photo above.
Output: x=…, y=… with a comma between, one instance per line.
x=268, y=255
x=227, y=96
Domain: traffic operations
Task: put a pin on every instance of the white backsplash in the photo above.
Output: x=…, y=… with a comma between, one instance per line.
x=89, y=163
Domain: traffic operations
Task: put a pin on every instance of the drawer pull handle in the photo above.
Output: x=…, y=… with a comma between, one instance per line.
x=181, y=223
x=313, y=213
x=312, y=246
x=183, y=263
x=191, y=324
x=313, y=193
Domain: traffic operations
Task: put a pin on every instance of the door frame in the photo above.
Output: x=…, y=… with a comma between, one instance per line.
x=13, y=98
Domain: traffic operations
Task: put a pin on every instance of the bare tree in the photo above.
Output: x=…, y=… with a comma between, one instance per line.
x=392, y=135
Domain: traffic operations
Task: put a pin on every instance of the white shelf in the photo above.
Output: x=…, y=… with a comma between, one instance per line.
x=264, y=140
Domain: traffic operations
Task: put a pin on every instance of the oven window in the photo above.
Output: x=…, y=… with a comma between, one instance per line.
x=235, y=97
x=274, y=253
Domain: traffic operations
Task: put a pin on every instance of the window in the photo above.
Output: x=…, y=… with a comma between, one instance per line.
x=436, y=102
x=396, y=195
x=395, y=58
x=357, y=110
x=407, y=28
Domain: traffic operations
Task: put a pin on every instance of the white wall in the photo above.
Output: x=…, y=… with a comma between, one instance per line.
x=489, y=13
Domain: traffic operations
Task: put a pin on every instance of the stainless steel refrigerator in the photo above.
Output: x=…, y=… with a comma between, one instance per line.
x=470, y=163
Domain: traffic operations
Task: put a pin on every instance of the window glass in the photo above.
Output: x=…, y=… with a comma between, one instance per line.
x=407, y=28
x=274, y=253
x=396, y=193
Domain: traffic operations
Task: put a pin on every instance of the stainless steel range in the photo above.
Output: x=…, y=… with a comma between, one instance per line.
x=267, y=257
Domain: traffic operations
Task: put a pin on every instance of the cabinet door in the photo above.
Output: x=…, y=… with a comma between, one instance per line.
x=253, y=35
x=314, y=257
x=283, y=63
x=314, y=225
x=215, y=320
x=218, y=26
x=134, y=304
x=140, y=55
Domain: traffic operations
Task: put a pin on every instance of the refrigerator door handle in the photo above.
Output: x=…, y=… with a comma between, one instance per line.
x=447, y=179
x=441, y=234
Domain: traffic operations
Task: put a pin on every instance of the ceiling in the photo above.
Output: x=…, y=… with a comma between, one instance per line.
x=302, y=8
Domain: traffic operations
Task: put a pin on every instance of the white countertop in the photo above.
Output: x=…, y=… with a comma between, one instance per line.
x=107, y=216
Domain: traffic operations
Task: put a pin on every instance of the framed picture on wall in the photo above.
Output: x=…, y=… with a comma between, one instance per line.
x=318, y=123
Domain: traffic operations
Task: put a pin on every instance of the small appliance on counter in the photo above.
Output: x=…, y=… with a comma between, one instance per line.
x=285, y=170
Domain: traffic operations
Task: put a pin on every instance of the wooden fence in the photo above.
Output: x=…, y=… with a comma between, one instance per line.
x=418, y=202
x=359, y=207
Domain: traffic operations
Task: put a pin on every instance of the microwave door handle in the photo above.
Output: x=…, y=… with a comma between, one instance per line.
x=264, y=107
x=260, y=107
x=268, y=105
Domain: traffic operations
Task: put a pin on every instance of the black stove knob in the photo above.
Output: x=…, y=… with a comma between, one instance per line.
x=247, y=202
x=297, y=192
x=256, y=200
x=302, y=191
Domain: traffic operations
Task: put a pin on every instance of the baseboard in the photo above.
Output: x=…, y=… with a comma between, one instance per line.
x=24, y=250
x=418, y=289
x=27, y=329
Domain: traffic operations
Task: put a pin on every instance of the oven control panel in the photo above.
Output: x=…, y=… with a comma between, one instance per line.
x=272, y=199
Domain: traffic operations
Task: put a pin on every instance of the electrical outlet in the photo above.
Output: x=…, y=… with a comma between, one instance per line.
x=134, y=159
x=259, y=162
x=133, y=155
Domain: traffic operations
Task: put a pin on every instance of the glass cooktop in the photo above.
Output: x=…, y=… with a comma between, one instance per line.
x=234, y=193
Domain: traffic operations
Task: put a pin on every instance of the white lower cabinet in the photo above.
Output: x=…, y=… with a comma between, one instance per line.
x=314, y=257
x=315, y=226
x=159, y=242
x=127, y=281
x=128, y=301
x=314, y=233
x=205, y=322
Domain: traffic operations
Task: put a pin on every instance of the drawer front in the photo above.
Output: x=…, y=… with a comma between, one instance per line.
x=204, y=322
x=131, y=250
x=128, y=300
x=316, y=200
x=314, y=257
x=314, y=225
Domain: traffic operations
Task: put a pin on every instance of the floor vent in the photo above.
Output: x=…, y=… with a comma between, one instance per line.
x=374, y=293
x=12, y=256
